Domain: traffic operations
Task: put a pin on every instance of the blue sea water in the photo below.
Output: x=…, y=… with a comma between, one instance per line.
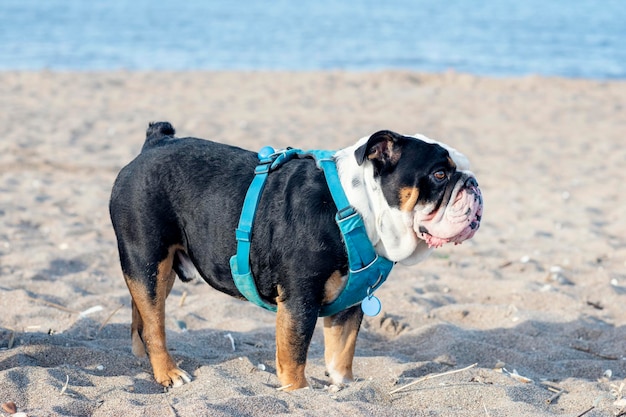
x=572, y=38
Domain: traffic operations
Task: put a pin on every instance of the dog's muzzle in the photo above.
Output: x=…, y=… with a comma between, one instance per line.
x=456, y=221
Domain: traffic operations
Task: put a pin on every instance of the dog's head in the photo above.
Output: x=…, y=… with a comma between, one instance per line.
x=428, y=182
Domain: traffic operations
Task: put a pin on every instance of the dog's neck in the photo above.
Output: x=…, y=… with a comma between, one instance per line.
x=389, y=229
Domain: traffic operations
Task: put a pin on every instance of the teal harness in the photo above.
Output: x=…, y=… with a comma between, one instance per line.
x=367, y=270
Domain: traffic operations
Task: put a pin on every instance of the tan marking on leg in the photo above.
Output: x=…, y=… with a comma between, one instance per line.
x=136, y=328
x=333, y=287
x=339, y=346
x=149, y=323
x=290, y=373
x=408, y=198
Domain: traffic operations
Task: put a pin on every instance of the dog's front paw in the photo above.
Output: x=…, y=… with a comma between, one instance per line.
x=340, y=376
x=173, y=377
x=341, y=380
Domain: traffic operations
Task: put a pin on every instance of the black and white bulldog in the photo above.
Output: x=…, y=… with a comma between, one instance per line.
x=175, y=208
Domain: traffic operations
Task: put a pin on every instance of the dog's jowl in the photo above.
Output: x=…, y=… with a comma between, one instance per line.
x=176, y=208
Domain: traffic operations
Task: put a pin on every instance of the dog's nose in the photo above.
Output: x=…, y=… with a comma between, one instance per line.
x=471, y=182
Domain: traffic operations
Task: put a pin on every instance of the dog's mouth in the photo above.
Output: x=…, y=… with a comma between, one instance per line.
x=456, y=221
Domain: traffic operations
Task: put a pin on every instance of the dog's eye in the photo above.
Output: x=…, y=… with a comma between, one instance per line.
x=439, y=175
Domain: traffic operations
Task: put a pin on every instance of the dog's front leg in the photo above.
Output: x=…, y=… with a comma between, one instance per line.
x=340, y=333
x=293, y=337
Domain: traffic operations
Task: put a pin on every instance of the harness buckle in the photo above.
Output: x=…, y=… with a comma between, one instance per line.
x=242, y=235
x=263, y=167
x=345, y=212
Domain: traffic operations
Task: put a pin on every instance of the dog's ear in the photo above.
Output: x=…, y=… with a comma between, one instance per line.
x=382, y=148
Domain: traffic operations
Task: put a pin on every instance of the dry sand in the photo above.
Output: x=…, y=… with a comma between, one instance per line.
x=541, y=289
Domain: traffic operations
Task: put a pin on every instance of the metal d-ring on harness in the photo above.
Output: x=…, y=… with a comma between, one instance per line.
x=367, y=270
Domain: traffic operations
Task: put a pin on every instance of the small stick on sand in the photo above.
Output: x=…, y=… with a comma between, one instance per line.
x=284, y=387
x=55, y=305
x=67, y=381
x=554, y=396
x=109, y=318
x=586, y=411
x=432, y=376
x=232, y=341
x=182, y=299
x=11, y=340
x=557, y=391
x=599, y=355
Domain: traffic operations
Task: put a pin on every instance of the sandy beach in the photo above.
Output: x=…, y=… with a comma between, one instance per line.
x=537, y=299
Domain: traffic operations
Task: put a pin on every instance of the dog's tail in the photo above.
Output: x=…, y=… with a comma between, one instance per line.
x=158, y=133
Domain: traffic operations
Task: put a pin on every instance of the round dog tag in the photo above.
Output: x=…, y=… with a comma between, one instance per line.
x=371, y=306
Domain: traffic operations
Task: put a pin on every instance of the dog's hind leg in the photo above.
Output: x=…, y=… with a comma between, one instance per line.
x=136, y=329
x=293, y=337
x=340, y=333
x=148, y=326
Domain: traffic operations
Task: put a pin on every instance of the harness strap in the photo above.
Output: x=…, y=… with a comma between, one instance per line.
x=367, y=270
x=240, y=264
